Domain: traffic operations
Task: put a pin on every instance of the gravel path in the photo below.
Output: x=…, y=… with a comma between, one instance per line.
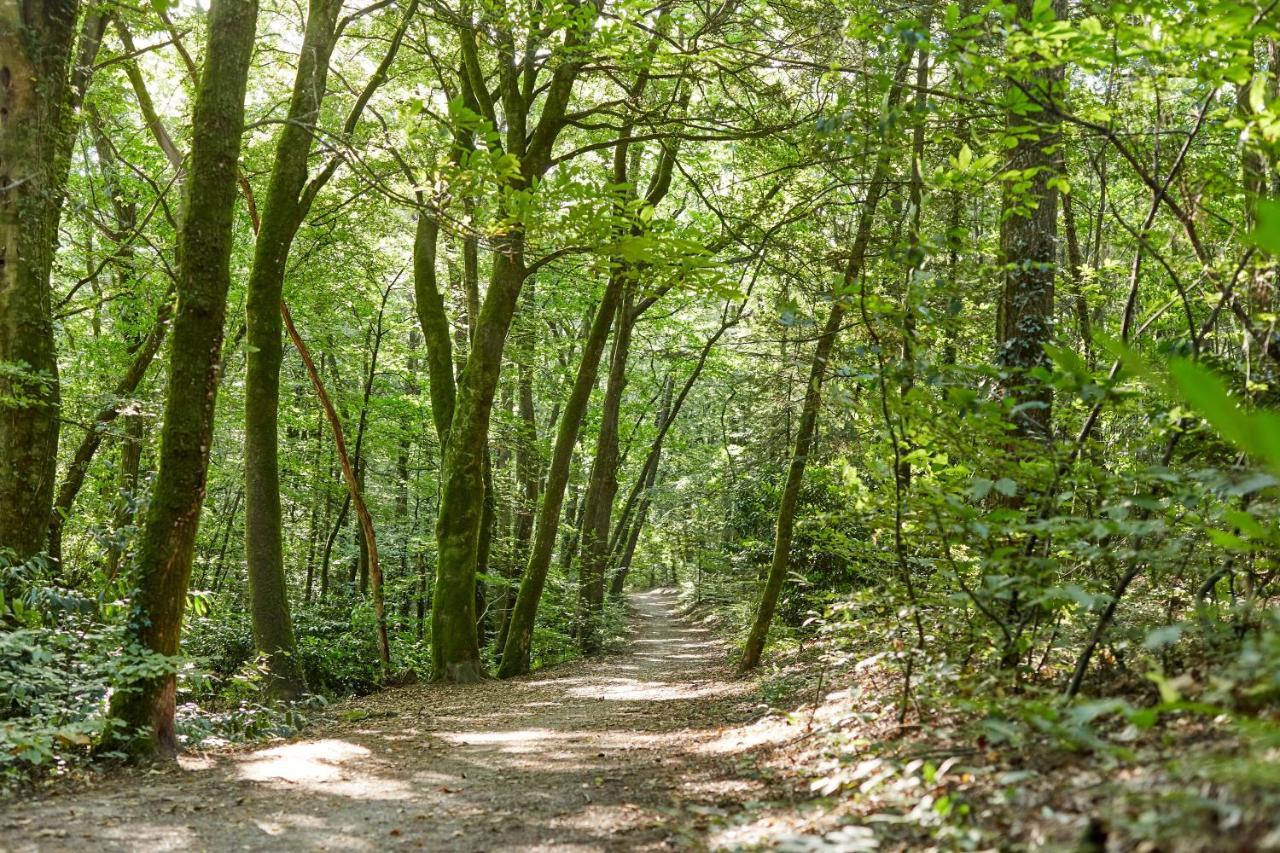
x=617, y=753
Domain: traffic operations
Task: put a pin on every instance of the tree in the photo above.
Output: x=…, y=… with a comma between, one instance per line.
x=282, y=214
x=455, y=651
x=165, y=553
x=1029, y=237
x=39, y=93
x=806, y=429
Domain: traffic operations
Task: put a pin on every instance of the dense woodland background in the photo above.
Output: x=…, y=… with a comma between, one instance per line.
x=939, y=334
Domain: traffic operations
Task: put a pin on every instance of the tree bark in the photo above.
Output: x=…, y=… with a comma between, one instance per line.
x=37, y=103
x=455, y=653
x=204, y=275
x=1029, y=251
x=517, y=649
x=602, y=487
x=807, y=426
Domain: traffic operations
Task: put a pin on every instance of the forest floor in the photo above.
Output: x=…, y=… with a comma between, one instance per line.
x=661, y=746
x=626, y=752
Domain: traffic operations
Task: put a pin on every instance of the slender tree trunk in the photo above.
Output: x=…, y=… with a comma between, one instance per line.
x=915, y=247
x=353, y=490
x=648, y=473
x=220, y=566
x=165, y=553
x=130, y=468
x=527, y=468
x=1075, y=260
x=318, y=495
x=519, y=642
x=429, y=303
x=627, y=533
x=603, y=485
x=807, y=426
x=78, y=468
x=282, y=215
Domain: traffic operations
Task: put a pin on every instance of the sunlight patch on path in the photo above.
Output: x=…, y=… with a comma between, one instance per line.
x=326, y=766
x=647, y=690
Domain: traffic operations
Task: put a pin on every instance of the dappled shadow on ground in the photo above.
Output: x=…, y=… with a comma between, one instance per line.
x=607, y=754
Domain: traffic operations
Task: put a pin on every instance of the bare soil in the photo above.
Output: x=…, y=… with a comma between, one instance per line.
x=631, y=752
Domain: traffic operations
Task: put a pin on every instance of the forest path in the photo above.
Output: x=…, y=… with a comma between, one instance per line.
x=625, y=752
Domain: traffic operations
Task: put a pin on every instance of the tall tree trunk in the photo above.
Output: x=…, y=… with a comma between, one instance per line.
x=37, y=102
x=807, y=426
x=143, y=348
x=282, y=215
x=517, y=649
x=319, y=494
x=627, y=533
x=455, y=654
x=204, y=275
x=1029, y=251
x=455, y=650
x=602, y=487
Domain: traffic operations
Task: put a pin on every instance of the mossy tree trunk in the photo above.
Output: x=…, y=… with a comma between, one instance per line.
x=36, y=128
x=516, y=652
x=168, y=538
x=455, y=652
x=282, y=215
x=455, y=649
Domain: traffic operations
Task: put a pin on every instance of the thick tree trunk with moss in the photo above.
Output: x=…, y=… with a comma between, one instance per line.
x=165, y=552
x=455, y=652
x=282, y=215
x=36, y=39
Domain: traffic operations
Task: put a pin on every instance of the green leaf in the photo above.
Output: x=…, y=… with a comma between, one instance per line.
x=980, y=488
x=1266, y=234
x=1161, y=637
x=1257, y=434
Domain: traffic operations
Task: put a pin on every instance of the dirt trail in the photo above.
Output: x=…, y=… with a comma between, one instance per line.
x=621, y=753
